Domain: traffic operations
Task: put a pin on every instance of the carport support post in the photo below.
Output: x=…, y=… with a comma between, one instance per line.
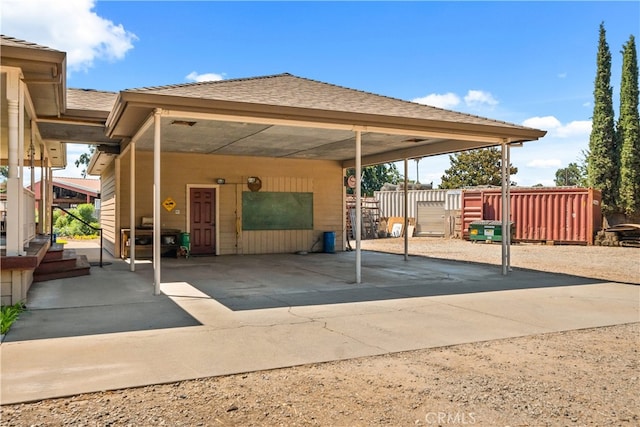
x=505, y=210
x=406, y=209
x=157, y=117
x=132, y=207
x=509, y=207
x=358, y=175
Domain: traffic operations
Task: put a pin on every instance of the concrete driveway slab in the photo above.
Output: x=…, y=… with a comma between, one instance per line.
x=228, y=315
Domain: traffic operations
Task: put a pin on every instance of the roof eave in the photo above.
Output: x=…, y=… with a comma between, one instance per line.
x=26, y=59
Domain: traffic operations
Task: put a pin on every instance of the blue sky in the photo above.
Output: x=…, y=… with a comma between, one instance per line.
x=529, y=63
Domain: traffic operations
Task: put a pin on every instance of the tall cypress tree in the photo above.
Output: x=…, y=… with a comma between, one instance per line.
x=628, y=131
x=602, y=164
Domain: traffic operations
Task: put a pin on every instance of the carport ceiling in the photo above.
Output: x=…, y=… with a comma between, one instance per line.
x=186, y=135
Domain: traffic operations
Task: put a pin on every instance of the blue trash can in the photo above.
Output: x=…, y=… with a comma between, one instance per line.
x=329, y=243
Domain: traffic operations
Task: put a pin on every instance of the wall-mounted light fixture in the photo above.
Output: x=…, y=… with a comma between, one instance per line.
x=254, y=183
x=220, y=181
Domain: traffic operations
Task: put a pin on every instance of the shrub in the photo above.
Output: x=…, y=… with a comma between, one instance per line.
x=8, y=315
x=66, y=225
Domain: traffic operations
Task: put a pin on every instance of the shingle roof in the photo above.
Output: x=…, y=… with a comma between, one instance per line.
x=286, y=90
x=14, y=42
x=90, y=99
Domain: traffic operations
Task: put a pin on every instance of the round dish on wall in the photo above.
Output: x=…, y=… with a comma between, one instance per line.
x=254, y=183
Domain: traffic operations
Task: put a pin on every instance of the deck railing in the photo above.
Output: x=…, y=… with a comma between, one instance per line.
x=29, y=209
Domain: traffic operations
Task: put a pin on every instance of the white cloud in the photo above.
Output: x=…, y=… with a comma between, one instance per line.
x=473, y=99
x=574, y=129
x=545, y=163
x=562, y=75
x=70, y=26
x=577, y=128
x=206, y=77
x=545, y=123
x=445, y=100
x=477, y=98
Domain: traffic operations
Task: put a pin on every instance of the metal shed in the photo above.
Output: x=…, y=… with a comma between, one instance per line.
x=434, y=211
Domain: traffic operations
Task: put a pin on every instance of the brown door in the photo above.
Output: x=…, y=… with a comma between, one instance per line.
x=203, y=221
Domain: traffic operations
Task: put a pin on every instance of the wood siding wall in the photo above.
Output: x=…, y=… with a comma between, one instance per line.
x=180, y=171
x=108, y=209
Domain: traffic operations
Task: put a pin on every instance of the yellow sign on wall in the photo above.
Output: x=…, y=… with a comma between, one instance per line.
x=169, y=204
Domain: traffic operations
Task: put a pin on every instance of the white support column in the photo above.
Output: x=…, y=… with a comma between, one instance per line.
x=505, y=202
x=132, y=203
x=49, y=197
x=406, y=209
x=157, y=120
x=32, y=154
x=13, y=220
x=358, y=231
x=22, y=214
x=42, y=220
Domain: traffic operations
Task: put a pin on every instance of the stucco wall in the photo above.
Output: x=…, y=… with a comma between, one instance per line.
x=181, y=171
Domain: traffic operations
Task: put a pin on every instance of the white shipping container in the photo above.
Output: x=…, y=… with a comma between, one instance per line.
x=453, y=200
x=434, y=210
x=392, y=202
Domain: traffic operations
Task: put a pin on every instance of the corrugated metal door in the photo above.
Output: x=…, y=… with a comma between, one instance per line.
x=430, y=221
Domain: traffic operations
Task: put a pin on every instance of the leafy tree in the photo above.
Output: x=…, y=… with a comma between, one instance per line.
x=84, y=160
x=628, y=131
x=374, y=177
x=602, y=163
x=4, y=173
x=571, y=175
x=66, y=225
x=475, y=167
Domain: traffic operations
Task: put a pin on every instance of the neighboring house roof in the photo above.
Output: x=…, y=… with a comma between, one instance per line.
x=90, y=187
x=80, y=185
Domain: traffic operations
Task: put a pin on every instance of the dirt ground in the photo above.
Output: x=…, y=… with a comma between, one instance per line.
x=577, y=378
x=615, y=264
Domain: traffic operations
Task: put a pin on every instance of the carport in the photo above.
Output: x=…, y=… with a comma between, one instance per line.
x=278, y=117
x=289, y=117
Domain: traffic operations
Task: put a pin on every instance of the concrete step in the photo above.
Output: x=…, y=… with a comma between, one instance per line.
x=55, y=252
x=61, y=261
x=67, y=267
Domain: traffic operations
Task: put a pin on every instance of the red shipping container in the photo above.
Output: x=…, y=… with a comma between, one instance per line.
x=558, y=214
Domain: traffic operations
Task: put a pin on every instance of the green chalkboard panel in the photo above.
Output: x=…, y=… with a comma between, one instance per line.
x=277, y=211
